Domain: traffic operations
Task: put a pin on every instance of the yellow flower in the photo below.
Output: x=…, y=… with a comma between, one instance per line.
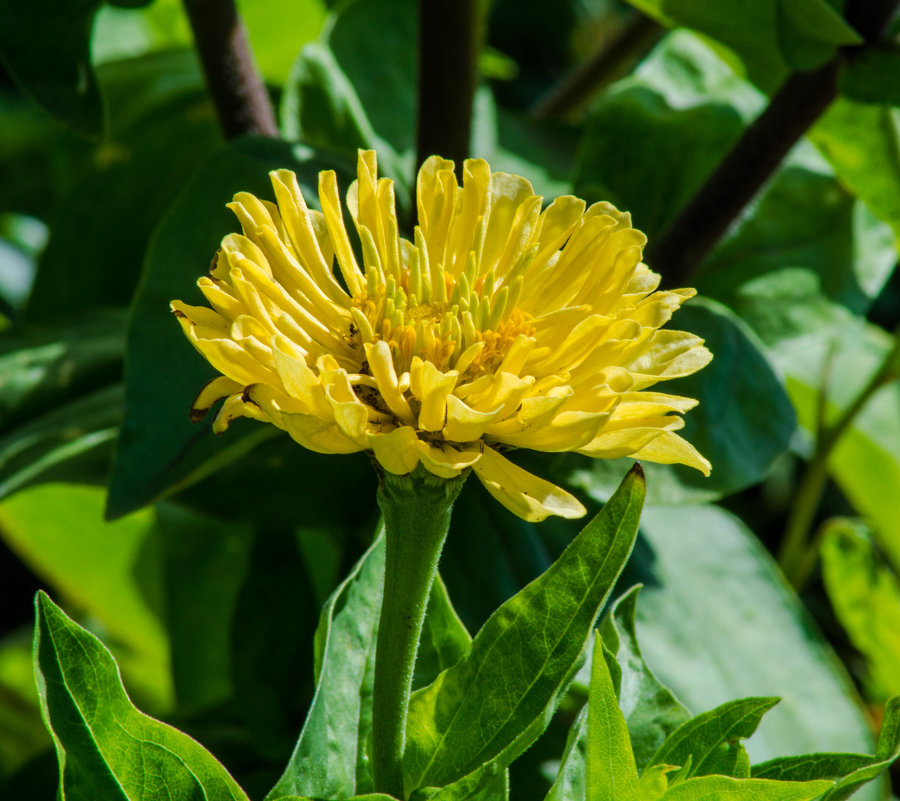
x=500, y=325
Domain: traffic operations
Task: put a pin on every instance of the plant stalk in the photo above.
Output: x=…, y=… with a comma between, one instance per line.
x=794, y=554
x=606, y=65
x=449, y=41
x=238, y=92
x=416, y=511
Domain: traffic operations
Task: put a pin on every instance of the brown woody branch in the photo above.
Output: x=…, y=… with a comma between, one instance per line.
x=237, y=90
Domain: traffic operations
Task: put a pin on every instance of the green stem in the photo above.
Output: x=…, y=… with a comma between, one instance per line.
x=416, y=511
x=794, y=556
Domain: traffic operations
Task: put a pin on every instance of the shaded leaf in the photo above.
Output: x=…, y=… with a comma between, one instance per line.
x=162, y=125
x=650, y=709
x=330, y=759
x=871, y=76
x=45, y=46
x=530, y=647
x=569, y=784
x=445, y=639
x=159, y=451
x=711, y=589
x=106, y=747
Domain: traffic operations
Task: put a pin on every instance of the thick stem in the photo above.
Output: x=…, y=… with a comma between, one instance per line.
x=680, y=252
x=238, y=93
x=635, y=38
x=449, y=39
x=416, y=511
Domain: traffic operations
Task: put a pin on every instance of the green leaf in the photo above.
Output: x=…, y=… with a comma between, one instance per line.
x=445, y=639
x=649, y=707
x=611, y=771
x=159, y=451
x=270, y=692
x=22, y=733
x=330, y=759
x=161, y=128
x=530, y=647
x=769, y=36
x=711, y=741
x=851, y=771
x=632, y=121
x=809, y=31
x=865, y=595
x=110, y=572
x=861, y=143
x=866, y=460
x=204, y=563
x=334, y=99
x=723, y=788
x=490, y=782
x=779, y=265
x=569, y=784
x=873, y=75
x=106, y=747
x=45, y=47
x=744, y=610
x=61, y=400
x=743, y=424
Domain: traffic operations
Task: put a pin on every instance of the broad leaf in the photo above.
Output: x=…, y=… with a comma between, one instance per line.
x=162, y=126
x=770, y=36
x=865, y=595
x=110, y=572
x=711, y=741
x=445, y=639
x=530, y=647
x=743, y=611
x=106, y=747
x=330, y=759
x=649, y=707
x=860, y=141
x=159, y=451
x=45, y=47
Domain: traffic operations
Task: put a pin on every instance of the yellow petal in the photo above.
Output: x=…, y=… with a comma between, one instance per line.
x=567, y=431
x=397, y=451
x=233, y=408
x=212, y=391
x=465, y=424
x=446, y=461
x=523, y=493
x=382, y=366
x=337, y=233
x=432, y=388
x=669, y=448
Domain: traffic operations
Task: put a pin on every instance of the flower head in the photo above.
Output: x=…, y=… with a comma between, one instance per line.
x=500, y=325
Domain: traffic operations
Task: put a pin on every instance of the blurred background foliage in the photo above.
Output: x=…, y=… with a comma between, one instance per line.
x=203, y=562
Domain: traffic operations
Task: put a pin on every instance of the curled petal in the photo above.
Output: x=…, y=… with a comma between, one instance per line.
x=523, y=493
